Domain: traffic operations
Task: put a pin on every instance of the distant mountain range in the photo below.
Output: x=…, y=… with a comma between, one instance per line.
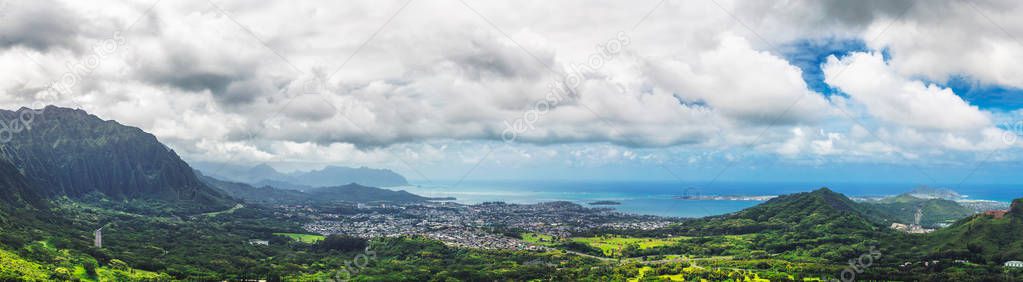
x=67, y=152
x=263, y=174
x=351, y=193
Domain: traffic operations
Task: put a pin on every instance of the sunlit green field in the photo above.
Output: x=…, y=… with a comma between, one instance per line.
x=304, y=238
x=539, y=239
x=613, y=245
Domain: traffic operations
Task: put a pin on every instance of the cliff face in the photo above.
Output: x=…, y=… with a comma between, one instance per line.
x=15, y=190
x=70, y=152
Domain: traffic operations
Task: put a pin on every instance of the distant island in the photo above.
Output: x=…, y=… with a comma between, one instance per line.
x=605, y=203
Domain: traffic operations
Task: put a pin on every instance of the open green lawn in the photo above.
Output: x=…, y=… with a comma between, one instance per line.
x=304, y=238
x=612, y=245
x=539, y=239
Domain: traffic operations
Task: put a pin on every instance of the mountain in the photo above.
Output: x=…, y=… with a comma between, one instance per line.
x=282, y=185
x=821, y=224
x=335, y=175
x=244, y=174
x=264, y=174
x=15, y=190
x=351, y=193
x=250, y=194
x=934, y=211
x=820, y=209
x=357, y=193
x=982, y=237
x=67, y=152
x=924, y=192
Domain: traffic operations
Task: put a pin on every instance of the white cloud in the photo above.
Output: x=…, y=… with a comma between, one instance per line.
x=869, y=80
x=692, y=78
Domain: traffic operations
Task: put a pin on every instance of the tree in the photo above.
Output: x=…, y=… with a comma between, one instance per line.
x=341, y=243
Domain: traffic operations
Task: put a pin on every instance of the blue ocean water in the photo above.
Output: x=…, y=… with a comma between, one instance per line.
x=656, y=198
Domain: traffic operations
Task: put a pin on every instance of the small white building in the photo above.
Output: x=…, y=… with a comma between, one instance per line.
x=1014, y=263
x=255, y=242
x=98, y=239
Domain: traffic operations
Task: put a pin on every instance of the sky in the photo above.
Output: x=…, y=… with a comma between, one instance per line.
x=886, y=91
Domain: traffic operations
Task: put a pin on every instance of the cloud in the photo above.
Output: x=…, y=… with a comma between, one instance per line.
x=692, y=84
x=936, y=40
x=869, y=80
x=743, y=84
x=40, y=25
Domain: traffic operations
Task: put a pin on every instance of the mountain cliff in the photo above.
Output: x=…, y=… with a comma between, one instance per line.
x=67, y=152
x=15, y=190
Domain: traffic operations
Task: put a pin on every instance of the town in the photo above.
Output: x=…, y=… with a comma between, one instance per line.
x=484, y=225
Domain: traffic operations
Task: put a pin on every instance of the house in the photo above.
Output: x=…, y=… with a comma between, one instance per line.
x=259, y=242
x=1014, y=264
x=997, y=214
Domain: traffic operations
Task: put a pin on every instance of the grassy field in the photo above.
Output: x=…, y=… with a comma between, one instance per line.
x=539, y=239
x=304, y=238
x=612, y=246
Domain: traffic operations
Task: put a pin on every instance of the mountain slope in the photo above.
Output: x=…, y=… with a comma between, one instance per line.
x=357, y=193
x=820, y=224
x=250, y=194
x=819, y=211
x=336, y=175
x=935, y=211
x=982, y=237
x=69, y=152
x=264, y=174
x=15, y=190
x=351, y=193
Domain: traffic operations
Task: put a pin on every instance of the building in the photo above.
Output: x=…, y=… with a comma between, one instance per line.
x=910, y=228
x=259, y=242
x=997, y=214
x=1014, y=264
x=98, y=240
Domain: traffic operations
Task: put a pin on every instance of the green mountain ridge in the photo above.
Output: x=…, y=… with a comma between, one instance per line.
x=67, y=152
x=16, y=192
x=328, y=176
x=982, y=237
x=935, y=211
x=351, y=193
x=816, y=210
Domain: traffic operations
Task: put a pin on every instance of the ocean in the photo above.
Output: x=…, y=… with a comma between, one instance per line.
x=657, y=198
